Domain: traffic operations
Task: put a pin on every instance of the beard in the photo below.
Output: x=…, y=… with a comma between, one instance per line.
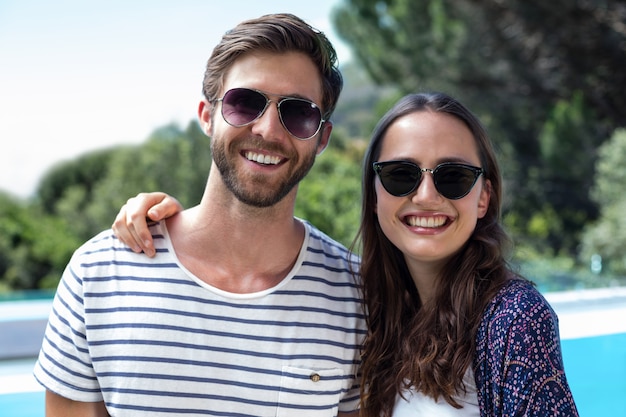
x=258, y=190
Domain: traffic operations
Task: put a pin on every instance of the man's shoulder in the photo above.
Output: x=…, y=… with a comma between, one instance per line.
x=322, y=251
x=103, y=241
x=319, y=240
x=105, y=246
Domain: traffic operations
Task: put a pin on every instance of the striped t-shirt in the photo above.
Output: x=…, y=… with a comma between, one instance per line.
x=146, y=336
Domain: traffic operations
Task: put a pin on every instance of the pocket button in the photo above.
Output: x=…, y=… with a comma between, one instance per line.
x=315, y=377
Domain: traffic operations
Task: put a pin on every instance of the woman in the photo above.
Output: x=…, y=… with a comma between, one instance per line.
x=453, y=331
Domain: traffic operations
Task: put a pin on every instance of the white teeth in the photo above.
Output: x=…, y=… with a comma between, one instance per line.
x=426, y=221
x=262, y=159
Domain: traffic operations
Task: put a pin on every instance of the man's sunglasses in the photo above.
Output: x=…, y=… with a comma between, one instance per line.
x=242, y=106
x=452, y=180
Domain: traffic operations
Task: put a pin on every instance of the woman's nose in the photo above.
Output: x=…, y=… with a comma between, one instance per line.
x=426, y=190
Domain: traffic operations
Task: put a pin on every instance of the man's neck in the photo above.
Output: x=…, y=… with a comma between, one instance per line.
x=239, y=249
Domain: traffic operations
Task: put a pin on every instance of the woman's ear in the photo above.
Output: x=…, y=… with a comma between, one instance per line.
x=483, y=200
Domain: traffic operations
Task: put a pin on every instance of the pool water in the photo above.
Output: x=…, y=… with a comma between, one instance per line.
x=26, y=404
x=596, y=372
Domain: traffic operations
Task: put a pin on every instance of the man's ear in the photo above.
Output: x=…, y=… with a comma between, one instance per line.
x=204, y=116
x=327, y=127
x=483, y=200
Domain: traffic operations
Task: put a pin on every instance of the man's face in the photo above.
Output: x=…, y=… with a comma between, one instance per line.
x=261, y=163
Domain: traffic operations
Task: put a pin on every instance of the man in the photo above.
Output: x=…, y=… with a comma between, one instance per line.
x=244, y=310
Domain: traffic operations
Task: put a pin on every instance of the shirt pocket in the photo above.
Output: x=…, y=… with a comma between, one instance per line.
x=309, y=392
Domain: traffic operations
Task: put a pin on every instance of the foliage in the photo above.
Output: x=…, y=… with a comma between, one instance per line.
x=607, y=236
x=567, y=150
x=88, y=192
x=83, y=173
x=34, y=246
x=330, y=196
x=610, y=176
x=359, y=106
x=79, y=198
x=172, y=160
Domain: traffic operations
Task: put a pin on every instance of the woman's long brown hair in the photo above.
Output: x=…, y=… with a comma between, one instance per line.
x=408, y=344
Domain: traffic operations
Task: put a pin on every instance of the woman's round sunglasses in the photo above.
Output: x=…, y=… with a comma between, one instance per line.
x=242, y=106
x=452, y=180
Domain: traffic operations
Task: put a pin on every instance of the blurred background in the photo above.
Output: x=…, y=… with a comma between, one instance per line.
x=98, y=102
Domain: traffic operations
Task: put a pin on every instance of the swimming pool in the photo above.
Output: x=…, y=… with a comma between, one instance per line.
x=25, y=404
x=596, y=372
x=592, y=324
x=593, y=334
x=20, y=395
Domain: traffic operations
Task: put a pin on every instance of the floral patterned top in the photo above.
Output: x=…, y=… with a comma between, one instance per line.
x=518, y=365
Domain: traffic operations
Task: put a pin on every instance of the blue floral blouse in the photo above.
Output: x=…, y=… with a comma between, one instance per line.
x=518, y=365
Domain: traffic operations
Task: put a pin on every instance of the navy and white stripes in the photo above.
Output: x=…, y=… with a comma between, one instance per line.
x=144, y=335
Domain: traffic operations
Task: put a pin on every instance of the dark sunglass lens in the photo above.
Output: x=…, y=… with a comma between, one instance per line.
x=454, y=182
x=400, y=178
x=241, y=106
x=300, y=117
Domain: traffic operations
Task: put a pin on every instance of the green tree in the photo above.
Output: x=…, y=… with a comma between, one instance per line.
x=171, y=160
x=607, y=236
x=67, y=189
x=330, y=196
x=79, y=198
x=34, y=246
x=83, y=172
x=359, y=107
x=567, y=144
x=87, y=192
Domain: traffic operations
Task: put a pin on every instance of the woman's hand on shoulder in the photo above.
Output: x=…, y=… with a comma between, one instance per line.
x=131, y=223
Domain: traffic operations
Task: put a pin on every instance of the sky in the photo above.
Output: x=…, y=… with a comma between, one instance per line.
x=77, y=76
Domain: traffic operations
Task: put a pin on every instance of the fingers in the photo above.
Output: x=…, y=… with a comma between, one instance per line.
x=167, y=207
x=126, y=231
x=131, y=223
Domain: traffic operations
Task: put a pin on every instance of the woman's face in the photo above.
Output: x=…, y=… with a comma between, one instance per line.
x=427, y=227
